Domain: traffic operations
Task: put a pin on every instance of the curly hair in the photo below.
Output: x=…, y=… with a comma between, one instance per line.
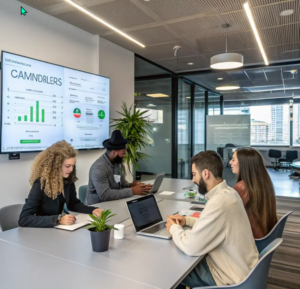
x=47, y=166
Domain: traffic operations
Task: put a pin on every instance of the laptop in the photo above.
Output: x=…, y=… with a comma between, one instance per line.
x=156, y=185
x=146, y=217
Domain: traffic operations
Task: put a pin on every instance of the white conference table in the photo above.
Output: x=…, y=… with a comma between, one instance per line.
x=151, y=261
x=25, y=268
x=179, y=187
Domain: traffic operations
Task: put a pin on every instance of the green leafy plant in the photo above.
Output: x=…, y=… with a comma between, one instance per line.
x=100, y=223
x=135, y=128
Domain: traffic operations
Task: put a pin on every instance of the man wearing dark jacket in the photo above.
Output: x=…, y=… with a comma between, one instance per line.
x=106, y=177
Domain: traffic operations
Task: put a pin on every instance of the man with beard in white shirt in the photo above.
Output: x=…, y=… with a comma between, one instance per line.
x=222, y=234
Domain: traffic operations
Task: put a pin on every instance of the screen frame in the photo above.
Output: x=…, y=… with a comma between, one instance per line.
x=1, y=94
x=138, y=229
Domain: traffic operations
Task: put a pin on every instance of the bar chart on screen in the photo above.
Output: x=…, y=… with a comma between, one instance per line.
x=37, y=109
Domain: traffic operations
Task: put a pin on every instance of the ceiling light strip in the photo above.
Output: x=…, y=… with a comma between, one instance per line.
x=253, y=26
x=103, y=22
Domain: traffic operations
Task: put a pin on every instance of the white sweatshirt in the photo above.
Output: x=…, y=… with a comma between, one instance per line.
x=223, y=232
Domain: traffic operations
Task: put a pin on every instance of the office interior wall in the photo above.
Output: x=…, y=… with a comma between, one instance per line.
x=46, y=38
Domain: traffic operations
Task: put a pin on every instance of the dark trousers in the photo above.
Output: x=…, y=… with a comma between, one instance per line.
x=199, y=277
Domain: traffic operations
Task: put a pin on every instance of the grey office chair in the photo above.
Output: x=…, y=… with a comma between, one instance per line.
x=258, y=277
x=82, y=193
x=9, y=216
x=276, y=232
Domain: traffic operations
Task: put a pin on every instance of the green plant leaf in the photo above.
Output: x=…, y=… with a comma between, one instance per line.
x=99, y=224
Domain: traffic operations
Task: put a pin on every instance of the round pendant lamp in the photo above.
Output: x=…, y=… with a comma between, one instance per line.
x=226, y=60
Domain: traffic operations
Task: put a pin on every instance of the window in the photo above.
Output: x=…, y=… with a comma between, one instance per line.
x=199, y=120
x=270, y=124
x=296, y=124
x=214, y=104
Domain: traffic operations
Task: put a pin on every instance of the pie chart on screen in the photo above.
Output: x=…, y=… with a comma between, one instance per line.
x=77, y=112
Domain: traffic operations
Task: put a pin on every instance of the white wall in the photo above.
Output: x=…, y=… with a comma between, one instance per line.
x=44, y=37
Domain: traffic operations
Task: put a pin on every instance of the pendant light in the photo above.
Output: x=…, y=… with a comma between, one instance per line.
x=226, y=60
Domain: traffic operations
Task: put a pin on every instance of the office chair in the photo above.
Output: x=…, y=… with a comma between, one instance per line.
x=258, y=277
x=276, y=154
x=289, y=158
x=230, y=154
x=276, y=232
x=9, y=216
x=82, y=193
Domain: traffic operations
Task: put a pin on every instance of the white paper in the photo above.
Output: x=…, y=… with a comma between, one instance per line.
x=117, y=178
x=167, y=193
x=81, y=221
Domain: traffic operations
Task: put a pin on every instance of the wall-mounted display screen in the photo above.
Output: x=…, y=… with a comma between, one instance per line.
x=43, y=103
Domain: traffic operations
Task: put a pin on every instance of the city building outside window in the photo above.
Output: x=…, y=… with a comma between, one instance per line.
x=270, y=124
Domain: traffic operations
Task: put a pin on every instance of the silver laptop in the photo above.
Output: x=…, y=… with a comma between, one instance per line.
x=156, y=185
x=146, y=217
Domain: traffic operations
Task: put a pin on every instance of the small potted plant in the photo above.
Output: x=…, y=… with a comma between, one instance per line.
x=100, y=231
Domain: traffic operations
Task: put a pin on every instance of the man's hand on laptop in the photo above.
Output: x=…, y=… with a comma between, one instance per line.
x=177, y=219
x=139, y=183
x=141, y=189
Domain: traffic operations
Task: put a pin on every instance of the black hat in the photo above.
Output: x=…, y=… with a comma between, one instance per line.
x=115, y=142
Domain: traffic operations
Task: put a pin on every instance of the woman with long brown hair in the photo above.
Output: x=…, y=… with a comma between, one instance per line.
x=256, y=190
x=52, y=180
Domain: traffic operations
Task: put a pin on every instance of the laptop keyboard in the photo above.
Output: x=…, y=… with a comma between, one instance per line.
x=155, y=228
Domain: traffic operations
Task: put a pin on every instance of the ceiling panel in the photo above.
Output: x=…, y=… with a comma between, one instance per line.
x=268, y=16
x=195, y=25
x=41, y=3
x=200, y=27
x=83, y=21
x=199, y=63
x=178, y=8
x=153, y=35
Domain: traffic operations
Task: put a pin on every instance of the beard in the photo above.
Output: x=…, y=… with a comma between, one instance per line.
x=118, y=160
x=202, y=187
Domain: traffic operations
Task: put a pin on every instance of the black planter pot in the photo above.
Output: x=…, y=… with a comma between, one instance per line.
x=100, y=240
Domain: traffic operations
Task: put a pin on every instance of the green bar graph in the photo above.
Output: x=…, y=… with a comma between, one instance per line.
x=31, y=113
x=37, y=111
x=19, y=118
x=43, y=115
x=25, y=117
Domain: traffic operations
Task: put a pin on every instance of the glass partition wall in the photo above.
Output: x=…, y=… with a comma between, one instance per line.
x=177, y=110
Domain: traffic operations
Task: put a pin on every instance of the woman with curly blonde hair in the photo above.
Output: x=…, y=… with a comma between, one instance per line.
x=52, y=179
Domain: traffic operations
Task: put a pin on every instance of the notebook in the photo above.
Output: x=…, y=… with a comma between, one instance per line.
x=81, y=221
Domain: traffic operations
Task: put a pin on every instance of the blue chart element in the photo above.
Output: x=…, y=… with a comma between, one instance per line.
x=23, y=11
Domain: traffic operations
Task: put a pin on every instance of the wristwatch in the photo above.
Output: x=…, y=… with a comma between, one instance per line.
x=58, y=220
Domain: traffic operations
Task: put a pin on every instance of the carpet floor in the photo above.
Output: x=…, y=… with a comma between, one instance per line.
x=285, y=267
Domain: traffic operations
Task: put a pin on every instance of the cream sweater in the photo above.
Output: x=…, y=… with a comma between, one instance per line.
x=222, y=232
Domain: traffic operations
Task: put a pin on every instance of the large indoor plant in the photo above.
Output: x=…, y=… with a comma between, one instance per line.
x=100, y=231
x=135, y=128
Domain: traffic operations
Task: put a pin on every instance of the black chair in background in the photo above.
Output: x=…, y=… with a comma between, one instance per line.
x=276, y=154
x=230, y=153
x=289, y=158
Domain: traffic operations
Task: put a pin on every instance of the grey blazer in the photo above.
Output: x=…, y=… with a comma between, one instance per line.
x=102, y=185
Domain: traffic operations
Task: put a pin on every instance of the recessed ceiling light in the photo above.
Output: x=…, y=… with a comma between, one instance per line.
x=188, y=97
x=151, y=105
x=220, y=78
x=190, y=63
x=286, y=12
x=228, y=87
x=147, y=0
x=104, y=22
x=253, y=26
x=157, y=95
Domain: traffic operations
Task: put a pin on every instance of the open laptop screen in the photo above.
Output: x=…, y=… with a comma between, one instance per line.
x=144, y=212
